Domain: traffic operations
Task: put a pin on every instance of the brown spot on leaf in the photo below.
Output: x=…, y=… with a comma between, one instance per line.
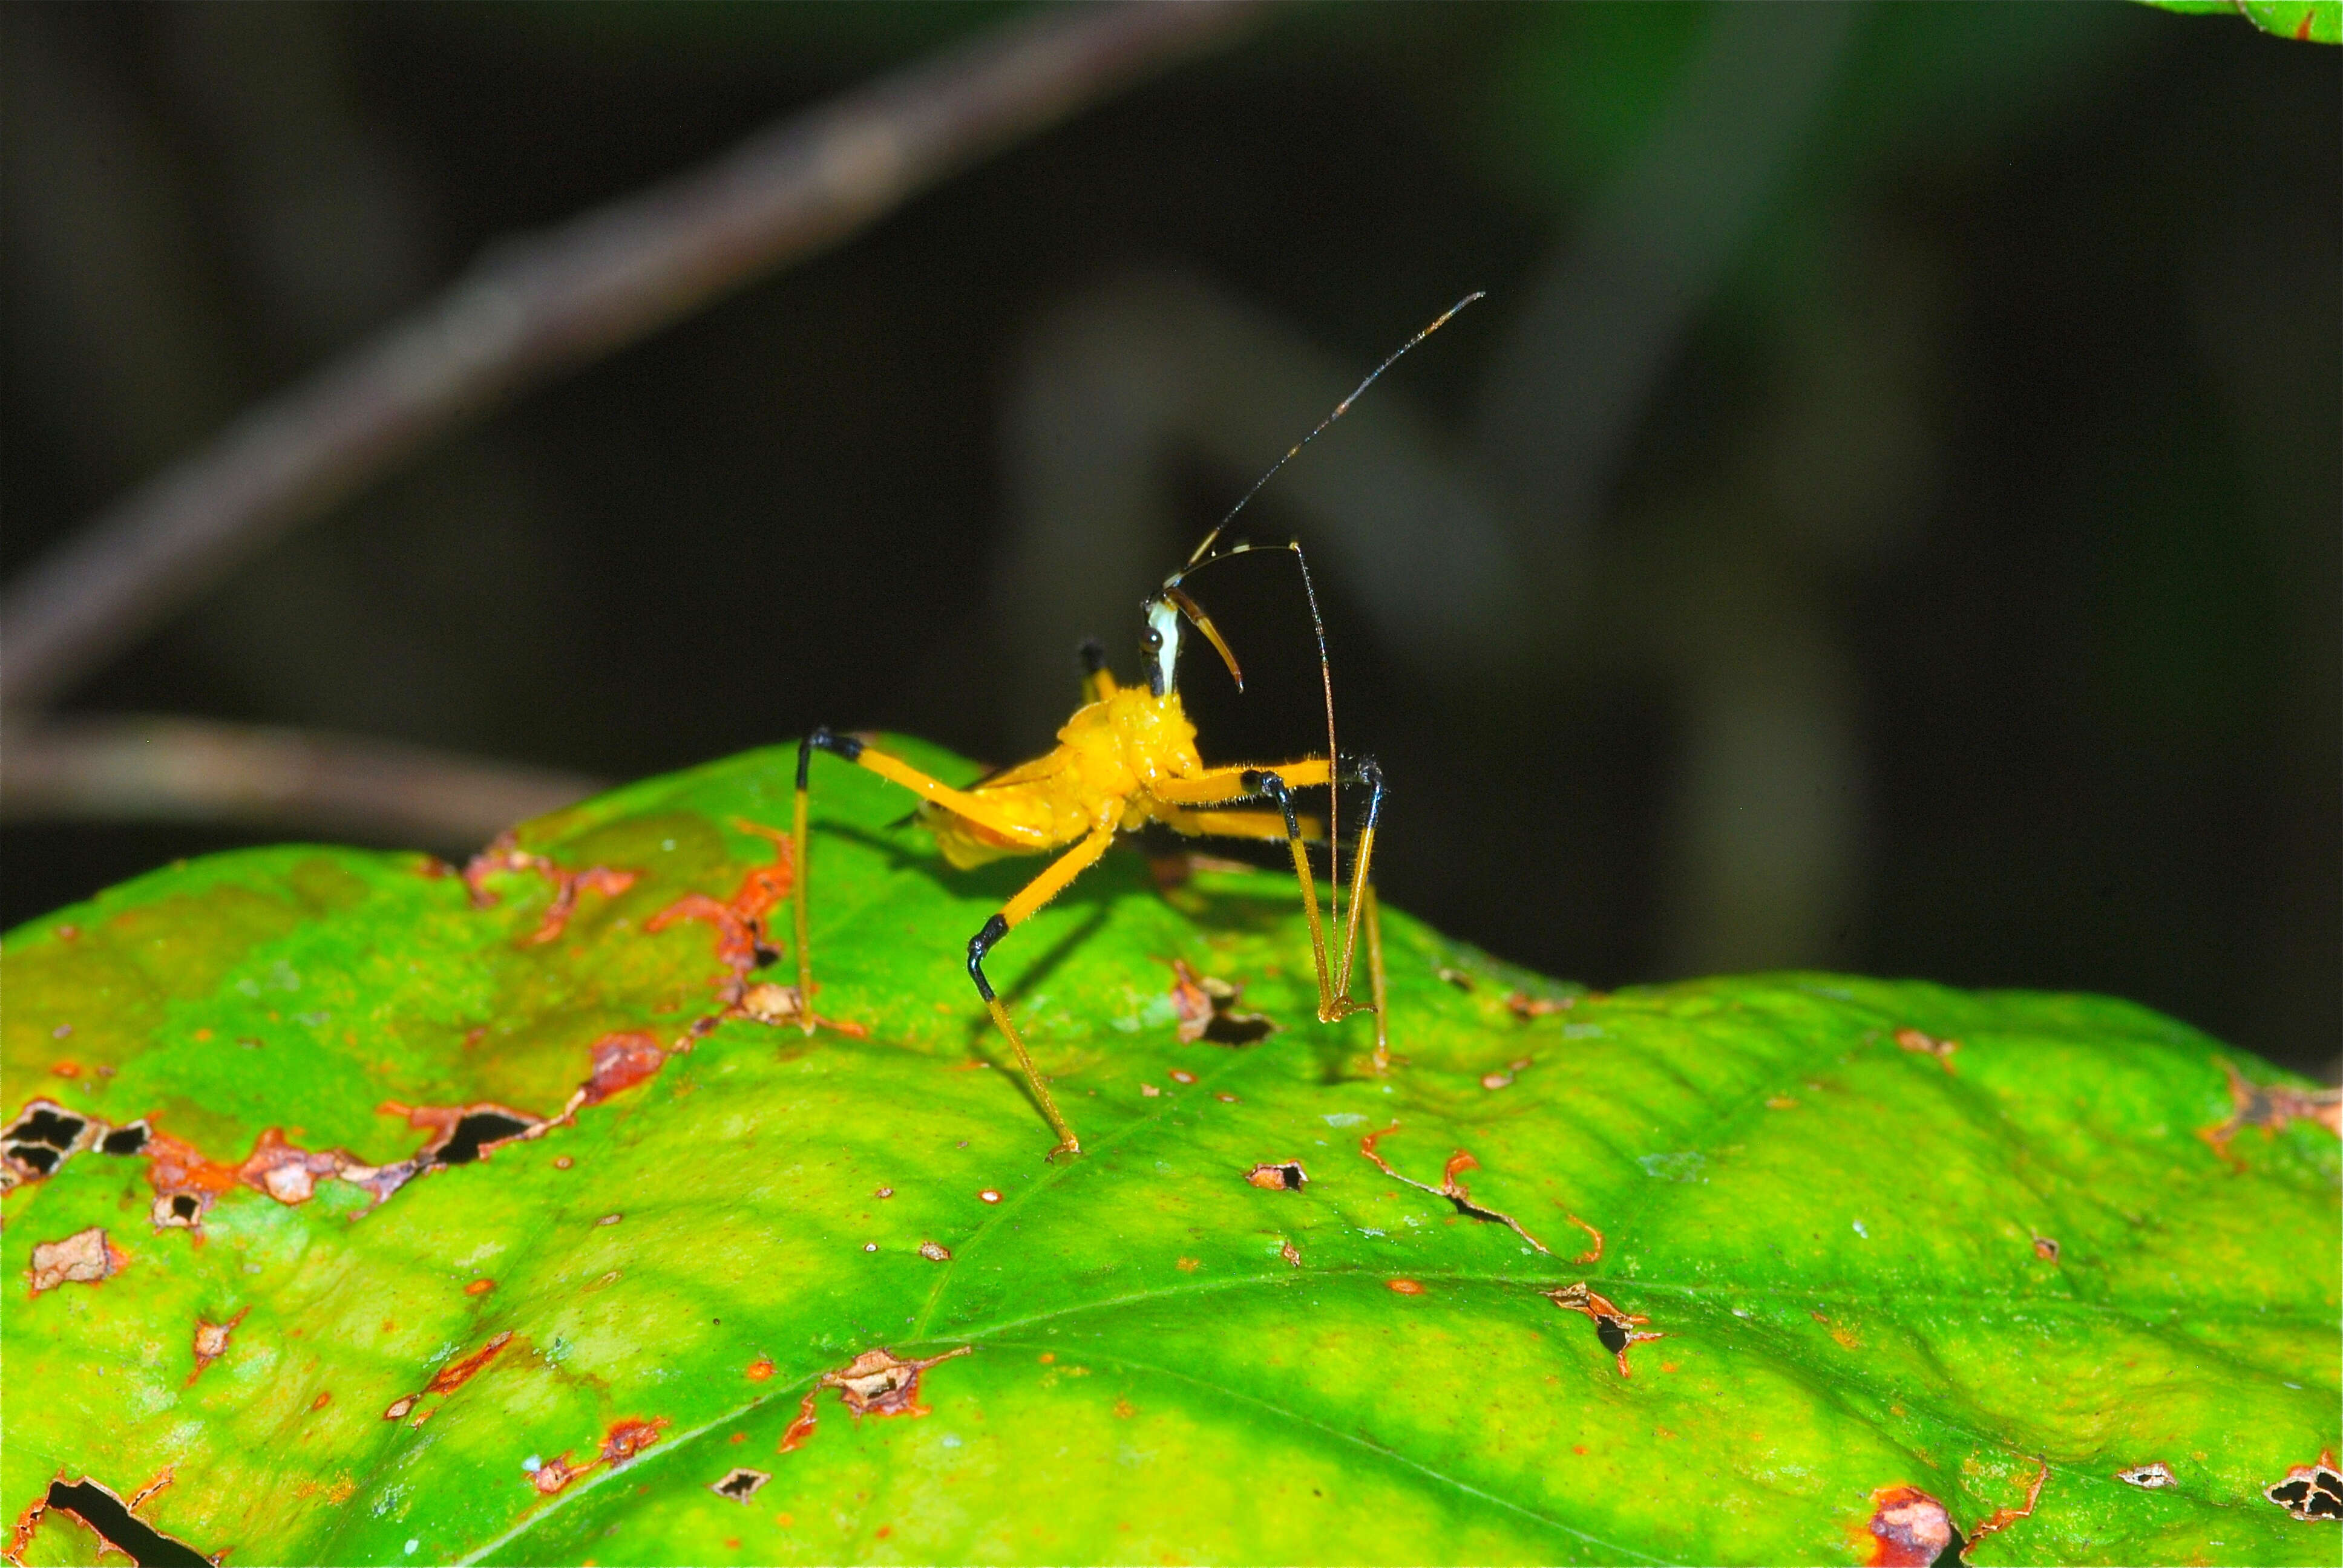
x=935, y=1252
x=1526, y=1007
x=2309, y=1492
x=504, y=854
x=802, y=1427
x=480, y=1287
x=2047, y=1248
x=1454, y=977
x=990, y=1195
x=2270, y=1107
x=1450, y=1187
x=1907, y=1529
x=1124, y=1409
x=1593, y=1254
x=2153, y=1476
x=1188, y=1266
x=1292, y=1254
x=1494, y=1081
x=1914, y=1040
x=211, y=1342
x=2002, y=1518
x=759, y=1370
x=399, y=1406
x=84, y=1258
x=1403, y=1287
x=325, y=1397
x=1207, y=1009
x=1781, y=1102
x=1281, y=1176
x=621, y=1060
x=558, y=1472
x=879, y=1382
x=1182, y=1075
x=740, y=1484
x=629, y=1437
x=1616, y=1330
x=457, y=1373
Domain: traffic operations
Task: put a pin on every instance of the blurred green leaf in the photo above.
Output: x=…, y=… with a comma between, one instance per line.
x=2305, y=21
x=592, y=1343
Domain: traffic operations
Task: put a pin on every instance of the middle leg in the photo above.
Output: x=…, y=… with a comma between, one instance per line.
x=1015, y=912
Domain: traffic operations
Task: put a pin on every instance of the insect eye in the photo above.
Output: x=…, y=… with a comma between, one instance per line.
x=1153, y=640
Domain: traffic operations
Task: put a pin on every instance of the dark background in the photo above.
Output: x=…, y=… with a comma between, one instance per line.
x=1942, y=581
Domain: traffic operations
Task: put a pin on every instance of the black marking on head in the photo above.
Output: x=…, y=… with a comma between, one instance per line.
x=186, y=1205
x=1613, y=1333
x=38, y=1156
x=46, y=1126
x=474, y=1133
x=105, y=1513
x=127, y=1140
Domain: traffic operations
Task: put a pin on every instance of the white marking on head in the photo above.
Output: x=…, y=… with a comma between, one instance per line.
x=1164, y=627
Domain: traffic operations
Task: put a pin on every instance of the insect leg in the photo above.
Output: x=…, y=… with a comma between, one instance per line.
x=1097, y=680
x=1035, y=893
x=961, y=802
x=1333, y=998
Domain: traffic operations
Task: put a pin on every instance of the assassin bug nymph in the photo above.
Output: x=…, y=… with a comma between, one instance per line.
x=1127, y=758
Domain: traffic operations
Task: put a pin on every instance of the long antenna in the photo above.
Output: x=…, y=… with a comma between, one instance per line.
x=1202, y=556
x=1340, y=409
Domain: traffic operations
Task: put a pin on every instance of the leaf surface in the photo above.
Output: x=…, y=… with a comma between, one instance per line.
x=588, y=1330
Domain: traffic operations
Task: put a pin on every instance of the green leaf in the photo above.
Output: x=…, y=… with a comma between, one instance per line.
x=1843, y=1234
x=2305, y=21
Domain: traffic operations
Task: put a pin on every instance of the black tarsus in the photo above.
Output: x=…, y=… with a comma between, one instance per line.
x=1092, y=653
x=823, y=740
x=1276, y=788
x=981, y=944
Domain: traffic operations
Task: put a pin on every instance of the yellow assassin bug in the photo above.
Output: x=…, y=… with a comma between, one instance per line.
x=1127, y=757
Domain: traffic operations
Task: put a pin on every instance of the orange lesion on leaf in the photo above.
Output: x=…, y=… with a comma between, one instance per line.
x=2270, y=1107
x=84, y=1258
x=878, y=1382
x=505, y=854
x=2002, y=1518
x=211, y=1343
x=740, y=933
x=1451, y=1187
x=1907, y=1529
x=1924, y=1044
x=1617, y=1330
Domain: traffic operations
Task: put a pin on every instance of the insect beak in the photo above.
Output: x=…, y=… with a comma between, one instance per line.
x=1203, y=623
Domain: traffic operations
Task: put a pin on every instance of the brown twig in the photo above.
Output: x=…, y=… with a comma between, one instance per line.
x=181, y=769
x=603, y=280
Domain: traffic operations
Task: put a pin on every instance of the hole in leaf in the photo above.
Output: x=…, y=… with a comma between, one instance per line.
x=49, y=1125
x=127, y=1140
x=740, y=1484
x=116, y=1527
x=1206, y=1006
x=2310, y=1491
x=475, y=1133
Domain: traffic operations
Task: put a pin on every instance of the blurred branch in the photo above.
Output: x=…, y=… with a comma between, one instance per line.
x=540, y=307
x=194, y=771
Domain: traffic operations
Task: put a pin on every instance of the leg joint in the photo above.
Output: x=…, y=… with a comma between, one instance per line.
x=821, y=738
x=981, y=944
